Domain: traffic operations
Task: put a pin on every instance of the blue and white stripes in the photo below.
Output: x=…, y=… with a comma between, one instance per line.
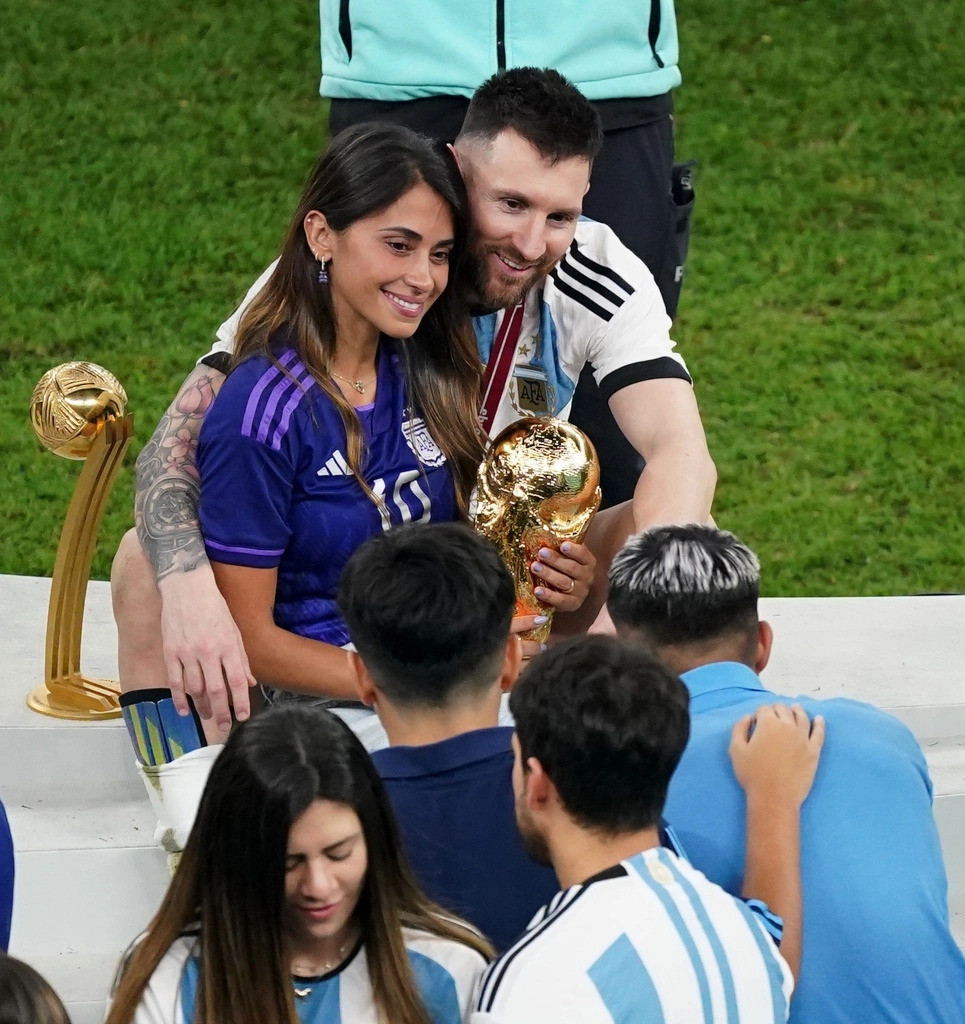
x=649, y=941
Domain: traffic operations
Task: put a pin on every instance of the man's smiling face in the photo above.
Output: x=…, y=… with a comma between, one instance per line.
x=524, y=212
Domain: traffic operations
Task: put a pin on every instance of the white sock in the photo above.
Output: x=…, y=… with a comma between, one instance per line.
x=174, y=790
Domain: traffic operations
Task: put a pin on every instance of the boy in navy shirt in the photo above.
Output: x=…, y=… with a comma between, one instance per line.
x=429, y=609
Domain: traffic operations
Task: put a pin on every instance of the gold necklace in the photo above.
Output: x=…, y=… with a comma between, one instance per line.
x=359, y=385
x=327, y=965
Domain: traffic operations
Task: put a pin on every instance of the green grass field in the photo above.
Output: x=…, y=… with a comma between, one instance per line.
x=151, y=154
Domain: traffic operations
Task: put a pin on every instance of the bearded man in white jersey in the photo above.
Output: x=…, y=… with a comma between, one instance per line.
x=553, y=293
x=636, y=934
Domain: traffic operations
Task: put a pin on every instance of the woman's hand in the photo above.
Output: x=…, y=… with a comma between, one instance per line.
x=522, y=624
x=564, y=577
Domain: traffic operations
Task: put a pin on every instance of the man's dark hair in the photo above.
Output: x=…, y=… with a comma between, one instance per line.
x=428, y=607
x=540, y=105
x=684, y=584
x=608, y=723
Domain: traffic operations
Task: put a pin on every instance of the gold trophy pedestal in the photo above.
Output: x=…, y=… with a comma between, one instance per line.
x=77, y=411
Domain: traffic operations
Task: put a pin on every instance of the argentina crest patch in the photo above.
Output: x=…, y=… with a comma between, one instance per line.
x=420, y=441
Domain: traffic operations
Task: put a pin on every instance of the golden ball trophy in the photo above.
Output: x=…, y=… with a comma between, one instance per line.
x=538, y=486
x=77, y=411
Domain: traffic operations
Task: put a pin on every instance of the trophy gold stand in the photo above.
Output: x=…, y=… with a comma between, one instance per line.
x=77, y=411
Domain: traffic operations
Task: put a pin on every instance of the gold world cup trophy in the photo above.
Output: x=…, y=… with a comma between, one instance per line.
x=77, y=411
x=538, y=486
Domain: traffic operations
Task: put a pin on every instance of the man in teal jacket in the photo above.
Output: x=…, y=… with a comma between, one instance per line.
x=418, y=65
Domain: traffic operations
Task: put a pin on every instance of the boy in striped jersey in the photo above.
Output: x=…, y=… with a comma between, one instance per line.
x=637, y=935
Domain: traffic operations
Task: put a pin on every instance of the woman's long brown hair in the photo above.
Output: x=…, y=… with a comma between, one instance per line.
x=229, y=888
x=26, y=997
x=365, y=170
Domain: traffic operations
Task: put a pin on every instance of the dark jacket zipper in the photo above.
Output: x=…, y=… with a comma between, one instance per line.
x=345, y=27
x=652, y=32
x=500, y=33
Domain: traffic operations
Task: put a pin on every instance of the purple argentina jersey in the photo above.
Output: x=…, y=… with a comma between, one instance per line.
x=276, y=489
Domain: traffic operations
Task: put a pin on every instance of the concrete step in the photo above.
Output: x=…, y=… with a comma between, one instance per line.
x=89, y=876
x=79, y=974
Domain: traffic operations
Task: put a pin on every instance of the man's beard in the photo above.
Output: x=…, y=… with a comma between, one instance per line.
x=533, y=841
x=490, y=291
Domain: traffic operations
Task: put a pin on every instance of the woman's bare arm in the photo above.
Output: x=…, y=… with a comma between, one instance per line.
x=277, y=656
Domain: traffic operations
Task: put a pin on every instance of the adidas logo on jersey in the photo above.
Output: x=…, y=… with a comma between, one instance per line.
x=336, y=466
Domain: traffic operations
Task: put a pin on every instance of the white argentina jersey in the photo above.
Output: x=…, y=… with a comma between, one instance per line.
x=446, y=974
x=649, y=941
x=599, y=305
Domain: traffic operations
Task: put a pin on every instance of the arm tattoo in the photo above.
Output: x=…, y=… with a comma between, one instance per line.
x=168, y=489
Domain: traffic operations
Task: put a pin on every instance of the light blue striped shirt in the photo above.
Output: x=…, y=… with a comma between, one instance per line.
x=649, y=941
x=446, y=974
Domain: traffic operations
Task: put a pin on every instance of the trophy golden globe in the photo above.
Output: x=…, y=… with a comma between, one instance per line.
x=77, y=411
x=538, y=486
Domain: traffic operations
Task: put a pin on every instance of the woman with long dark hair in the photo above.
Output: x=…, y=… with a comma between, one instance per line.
x=352, y=404
x=292, y=901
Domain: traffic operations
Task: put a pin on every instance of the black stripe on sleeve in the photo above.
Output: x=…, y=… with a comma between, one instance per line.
x=598, y=268
x=661, y=368
x=220, y=361
x=570, y=270
x=578, y=296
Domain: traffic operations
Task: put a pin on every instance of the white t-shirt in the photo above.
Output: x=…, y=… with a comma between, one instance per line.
x=650, y=939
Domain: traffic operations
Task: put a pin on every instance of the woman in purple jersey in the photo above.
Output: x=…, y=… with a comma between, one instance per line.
x=292, y=903
x=352, y=402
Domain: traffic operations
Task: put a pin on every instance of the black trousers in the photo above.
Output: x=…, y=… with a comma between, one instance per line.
x=630, y=190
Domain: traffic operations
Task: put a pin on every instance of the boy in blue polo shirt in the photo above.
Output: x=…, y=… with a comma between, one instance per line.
x=877, y=944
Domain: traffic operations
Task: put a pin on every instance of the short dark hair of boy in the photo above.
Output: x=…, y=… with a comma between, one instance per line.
x=608, y=723
x=428, y=607
x=540, y=105
x=684, y=584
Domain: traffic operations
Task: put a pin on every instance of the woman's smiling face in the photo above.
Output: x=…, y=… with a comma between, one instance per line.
x=386, y=269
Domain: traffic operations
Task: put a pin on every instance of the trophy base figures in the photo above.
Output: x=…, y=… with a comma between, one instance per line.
x=77, y=411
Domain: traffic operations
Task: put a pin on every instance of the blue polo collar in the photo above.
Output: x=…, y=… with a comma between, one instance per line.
x=720, y=684
x=444, y=756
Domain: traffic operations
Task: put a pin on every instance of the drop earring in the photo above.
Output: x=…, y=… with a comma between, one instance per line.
x=322, y=272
